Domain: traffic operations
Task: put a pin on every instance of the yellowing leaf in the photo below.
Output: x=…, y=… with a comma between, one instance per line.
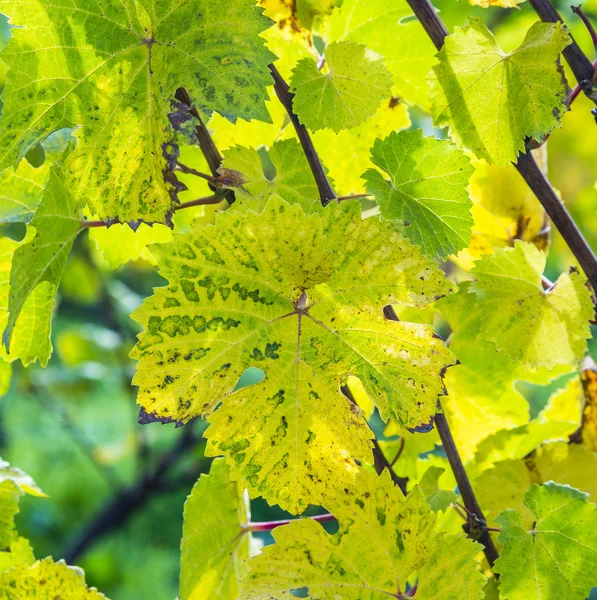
x=354, y=83
x=46, y=580
x=426, y=190
x=534, y=326
x=37, y=266
x=214, y=543
x=588, y=431
x=112, y=70
x=300, y=297
x=557, y=558
x=293, y=180
x=389, y=28
x=383, y=539
x=478, y=90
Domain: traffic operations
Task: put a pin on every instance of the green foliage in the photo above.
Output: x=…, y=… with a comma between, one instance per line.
x=346, y=93
x=558, y=556
x=426, y=190
x=112, y=70
x=383, y=538
x=478, y=90
x=150, y=169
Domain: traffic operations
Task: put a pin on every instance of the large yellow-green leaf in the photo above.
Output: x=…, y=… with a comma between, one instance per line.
x=557, y=558
x=301, y=298
x=214, y=541
x=112, y=69
x=345, y=93
x=426, y=190
x=46, y=580
x=534, y=326
x=37, y=266
x=293, y=179
x=383, y=538
x=389, y=28
x=493, y=100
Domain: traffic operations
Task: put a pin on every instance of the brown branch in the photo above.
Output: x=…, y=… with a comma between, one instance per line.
x=120, y=508
x=326, y=193
x=577, y=10
x=581, y=66
x=465, y=489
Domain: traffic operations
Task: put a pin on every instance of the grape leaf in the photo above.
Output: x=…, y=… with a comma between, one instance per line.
x=112, y=69
x=383, y=538
x=388, y=28
x=492, y=100
x=46, y=580
x=19, y=552
x=426, y=190
x=301, y=298
x=438, y=499
x=534, y=326
x=346, y=94
x=588, y=431
x=293, y=179
x=557, y=558
x=37, y=266
x=214, y=543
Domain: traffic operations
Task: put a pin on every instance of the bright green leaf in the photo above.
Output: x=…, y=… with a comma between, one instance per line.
x=112, y=69
x=383, y=539
x=301, y=298
x=534, y=326
x=344, y=94
x=492, y=100
x=426, y=190
x=438, y=499
x=214, y=543
x=37, y=267
x=557, y=558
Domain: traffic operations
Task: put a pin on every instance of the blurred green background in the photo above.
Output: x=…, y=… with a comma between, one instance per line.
x=73, y=426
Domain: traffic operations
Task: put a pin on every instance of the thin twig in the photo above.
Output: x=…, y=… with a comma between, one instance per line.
x=581, y=66
x=189, y=170
x=577, y=10
x=381, y=463
x=399, y=453
x=465, y=488
x=130, y=499
x=269, y=525
x=353, y=196
x=326, y=193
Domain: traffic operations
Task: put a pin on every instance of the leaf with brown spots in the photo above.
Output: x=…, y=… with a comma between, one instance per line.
x=300, y=297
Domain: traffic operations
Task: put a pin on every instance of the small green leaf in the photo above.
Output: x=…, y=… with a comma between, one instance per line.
x=492, y=100
x=534, y=326
x=557, y=558
x=426, y=190
x=37, y=267
x=346, y=94
x=438, y=499
x=383, y=538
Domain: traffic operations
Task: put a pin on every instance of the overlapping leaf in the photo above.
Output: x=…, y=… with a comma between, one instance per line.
x=492, y=100
x=112, y=69
x=344, y=95
x=388, y=28
x=214, y=543
x=293, y=179
x=426, y=190
x=301, y=298
x=383, y=539
x=557, y=558
x=37, y=267
x=534, y=326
